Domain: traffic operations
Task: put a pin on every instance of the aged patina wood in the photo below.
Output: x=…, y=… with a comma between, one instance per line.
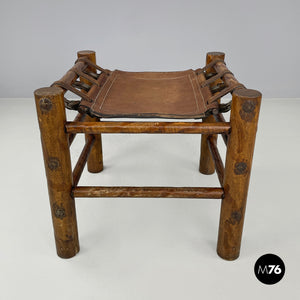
x=51, y=116
x=146, y=127
x=243, y=119
x=207, y=165
x=79, y=118
x=95, y=159
x=219, y=166
x=83, y=159
x=220, y=118
x=152, y=192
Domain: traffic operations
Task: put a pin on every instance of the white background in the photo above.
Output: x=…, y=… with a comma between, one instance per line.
x=148, y=248
x=39, y=39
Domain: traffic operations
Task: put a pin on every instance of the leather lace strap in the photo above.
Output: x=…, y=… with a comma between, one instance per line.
x=72, y=105
x=73, y=90
x=224, y=107
x=229, y=89
x=87, y=77
x=78, y=87
x=225, y=91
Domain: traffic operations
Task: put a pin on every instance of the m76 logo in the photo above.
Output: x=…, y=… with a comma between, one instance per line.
x=269, y=269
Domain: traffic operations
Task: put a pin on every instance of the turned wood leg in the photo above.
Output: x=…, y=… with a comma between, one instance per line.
x=52, y=118
x=95, y=160
x=243, y=119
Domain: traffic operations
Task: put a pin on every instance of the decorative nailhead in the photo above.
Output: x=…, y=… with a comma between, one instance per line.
x=248, y=106
x=240, y=168
x=59, y=211
x=53, y=163
x=45, y=104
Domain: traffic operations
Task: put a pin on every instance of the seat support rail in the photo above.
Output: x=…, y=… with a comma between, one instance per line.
x=147, y=127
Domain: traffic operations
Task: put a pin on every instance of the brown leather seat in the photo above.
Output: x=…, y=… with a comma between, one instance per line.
x=150, y=94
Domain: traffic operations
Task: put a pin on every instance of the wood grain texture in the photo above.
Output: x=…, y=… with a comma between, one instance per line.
x=71, y=74
x=55, y=144
x=219, y=166
x=220, y=118
x=79, y=118
x=83, y=159
x=228, y=78
x=146, y=127
x=243, y=119
x=152, y=192
x=207, y=165
x=95, y=159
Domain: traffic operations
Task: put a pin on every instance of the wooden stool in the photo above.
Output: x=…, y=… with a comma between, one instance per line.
x=190, y=94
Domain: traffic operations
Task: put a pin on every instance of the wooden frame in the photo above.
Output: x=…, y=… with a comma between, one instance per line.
x=57, y=135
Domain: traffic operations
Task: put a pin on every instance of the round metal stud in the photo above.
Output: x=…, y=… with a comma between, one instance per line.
x=45, y=104
x=240, y=168
x=53, y=163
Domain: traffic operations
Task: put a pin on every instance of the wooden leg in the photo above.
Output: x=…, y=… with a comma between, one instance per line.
x=52, y=118
x=95, y=160
x=207, y=165
x=206, y=162
x=243, y=119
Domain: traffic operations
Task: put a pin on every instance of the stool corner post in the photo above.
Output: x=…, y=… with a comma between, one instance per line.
x=55, y=145
x=91, y=54
x=95, y=159
x=244, y=119
x=212, y=55
x=207, y=165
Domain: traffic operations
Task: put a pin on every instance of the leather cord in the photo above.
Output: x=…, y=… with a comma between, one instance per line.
x=87, y=77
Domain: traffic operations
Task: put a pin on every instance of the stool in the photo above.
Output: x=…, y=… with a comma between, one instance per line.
x=190, y=94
